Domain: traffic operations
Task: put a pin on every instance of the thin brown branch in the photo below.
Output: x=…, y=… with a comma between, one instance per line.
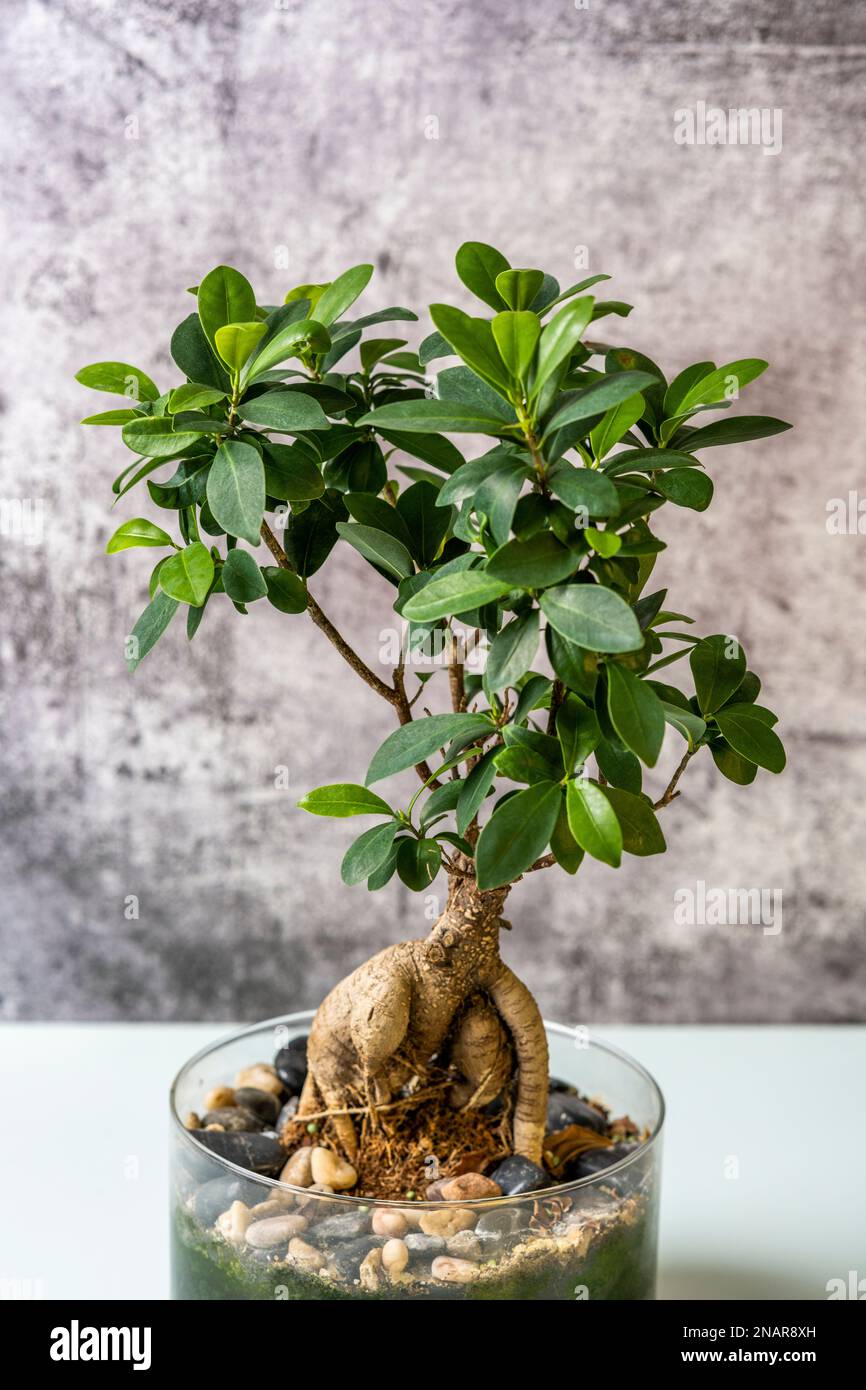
x=404, y=714
x=545, y=862
x=455, y=678
x=670, y=792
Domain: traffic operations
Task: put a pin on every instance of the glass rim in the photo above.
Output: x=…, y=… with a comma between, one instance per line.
x=305, y=1017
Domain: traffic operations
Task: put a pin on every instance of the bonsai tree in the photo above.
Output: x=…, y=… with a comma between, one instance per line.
x=543, y=547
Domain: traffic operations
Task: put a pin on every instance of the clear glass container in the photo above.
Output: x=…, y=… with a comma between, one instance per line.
x=237, y=1234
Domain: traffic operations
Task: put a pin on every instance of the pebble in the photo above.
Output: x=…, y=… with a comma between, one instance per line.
x=287, y=1113
x=307, y=1257
x=423, y=1247
x=564, y=1109
x=234, y=1119
x=465, y=1245
x=595, y=1161
x=389, y=1223
x=346, y=1258
x=370, y=1270
x=332, y=1171
x=299, y=1169
x=505, y=1221
x=343, y=1227
x=517, y=1174
x=434, y=1191
x=454, y=1271
x=261, y=1103
x=272, y=1207
x=219, y=1097
x=468, y=1187
x=260, y=1153
x=274, y=1230
x=191, y=1120
x=290, y=1065
x=216, y=1196
x=233, y=1223
x=446, y=1222
x=261, y=1077
x=310, y=1198
x=395, y=1256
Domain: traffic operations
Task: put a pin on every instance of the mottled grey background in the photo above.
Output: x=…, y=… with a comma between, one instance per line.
x=304, y=126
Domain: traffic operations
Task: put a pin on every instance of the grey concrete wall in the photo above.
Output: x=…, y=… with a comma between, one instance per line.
x=305, y=126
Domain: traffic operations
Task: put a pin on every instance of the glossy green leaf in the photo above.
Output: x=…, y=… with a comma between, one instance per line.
x=636, y=713
x=718, y=666
x=284, y=411
x=682, y=385
x=496, y=498
x=149, y=628
x=731, y=765
x=512, y=651
x=188, y=575
x=312, y=534
x=566, y=851
x=454, y=594
x=641, y=832
x=341, y=293
x=290, y=339
x=533, y=564
x=478, y=266
x=466, y=481
x=154, y=436
x=235, y=341
x=418, y=863
x=378, y=547
x=516, y=335
x=738, y=430
x=575, y=667
x=440, y=801
x=516, y=835
x=430, y=448
x=366, y=853
x=620, y=767
x=195, y=357
x=193, y=396
x=750, y=736
x=224, y=296
x=236, y=490
x=341, y=799
x=118, y=379
x=242, y=579
x=604, y=543
x=139, y=531
x=686, y=722
x=584, y=489
x=592, y=821
x=519, y=288
x=285, y=590
x=686, y=487
x=578, y=732
x=475, y=789
x=412, y=743
x=615, y=423
x=473, y=340
x=718, y=385
x=110, y=417
x=431, y=416
x=601, y=395
x=426, y=522
x=291, y=475
x=559, y=339
x=522, y=765
x=592, y=617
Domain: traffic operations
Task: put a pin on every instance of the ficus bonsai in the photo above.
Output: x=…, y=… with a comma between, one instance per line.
x=543, y=544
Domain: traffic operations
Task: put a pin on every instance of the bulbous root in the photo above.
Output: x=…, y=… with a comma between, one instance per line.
x=447, y=1000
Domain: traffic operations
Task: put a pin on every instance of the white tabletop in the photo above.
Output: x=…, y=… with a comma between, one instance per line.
x=764, y=1194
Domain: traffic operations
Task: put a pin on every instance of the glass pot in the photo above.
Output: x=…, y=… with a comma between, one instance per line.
x=591, y=1238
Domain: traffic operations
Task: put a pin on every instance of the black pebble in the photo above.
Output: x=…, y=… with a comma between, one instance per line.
x=290, y=1065
x=235, y=1119
x=261, y=1103
x=517, y=1174
x=422, y=1247
x=564, y=1109
x=342, y=1227
x=595, y=1161
x=260, y=1153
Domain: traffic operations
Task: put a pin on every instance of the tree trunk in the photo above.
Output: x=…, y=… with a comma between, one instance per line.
x=446, y=999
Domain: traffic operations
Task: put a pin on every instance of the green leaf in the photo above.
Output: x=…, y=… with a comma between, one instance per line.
x=285, y=411
x=193, y=396
x=593, y=823
x=426, y=522
x=360, y=468
x=418, y=863
x=648, y=461
x=496, y=498
x=516, y=335
x=519, y=288
x=731, y=765
x=533, y=564
x=607, y=391
x=466, y=481
x=110, y=417
x=736, y=431
x=473, y=340
x=453, y=594
x=288, y=340
x=341, y=799
x=559, y=339
x=341, y=293
x=441, y=800
x=690, y=725
x=716, y=385
x=154, y=436
x=583, y=488
x=574, y=666
x=641, y=832
x=522, y=765
x=615, y=423
x=592, y=617
x=378, y=547
x=285, y=590
x=242, y=579
x=291, y=475
x=718, y=666
x=686, y=487
x=478, y=266
x=224, y=296
x=426, y=416
x=236, y=490
x=619, y=766
x=118, y=379
x=748, y=734
x=516, y=835
x=682, y=384
x=578, y=731
x=513, y=650
x=188, y=575
x=195, y=357
x=312, y=534
x=412, y=743
x=138, y=531
x=149, y=628
x=367, y=853
x=430, y=448
x=604, y=543
x=475, y=789
x=235, y=341
x=636, y=713
x=566, y=851
x=376, y=512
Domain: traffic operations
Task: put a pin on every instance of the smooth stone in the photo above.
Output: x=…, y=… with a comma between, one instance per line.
x=233, y=1224
x=446, y=1222
x=596, y=1161
x=299, y=1169
x=290, y=1065
x=288, y=1112
x=434, y=1191
x=219, y=1098
x=305, y=1256
x=347, y=1258
x=389, y=1223
x=505, y=1221
x=332, y=1171
x=261, y=1077
x=261, y=1103
x=465, y=1245
x=564, y=1109
x=235, y=1119
x=454, y=1271
x=370, y=1271
x=274, y=1231
x=259, y=1153
x=343, y=1227
x=395, y=1255
x=423, y=1247
x=468, y=1187
x=517, y=1174
x=216, y=1196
